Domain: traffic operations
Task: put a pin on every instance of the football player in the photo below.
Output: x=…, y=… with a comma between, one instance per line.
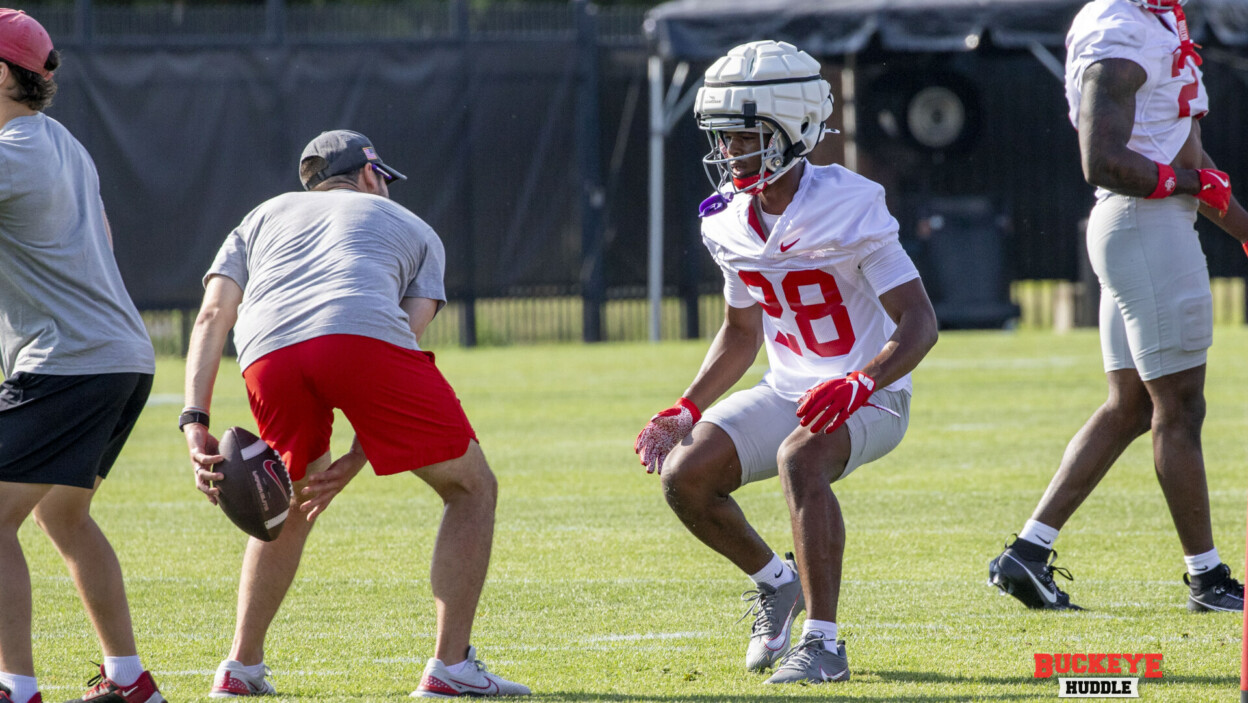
x=1133, y=83
x=812, y=267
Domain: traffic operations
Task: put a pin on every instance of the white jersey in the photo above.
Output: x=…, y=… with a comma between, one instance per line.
x=818, y=276
x=1171, y=96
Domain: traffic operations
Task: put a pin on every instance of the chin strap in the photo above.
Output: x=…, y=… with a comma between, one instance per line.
x=749, y=183
x=1187, y=49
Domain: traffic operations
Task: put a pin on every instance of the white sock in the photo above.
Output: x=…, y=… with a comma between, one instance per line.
x=123, y=671
x=776, y=573
x=459, y=668
x=1202, y=563
x=827, y=628
x=255, y=670
x=1039, y=533
x=23, y=687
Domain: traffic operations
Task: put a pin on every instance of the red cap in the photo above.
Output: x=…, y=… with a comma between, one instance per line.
x=24, y=41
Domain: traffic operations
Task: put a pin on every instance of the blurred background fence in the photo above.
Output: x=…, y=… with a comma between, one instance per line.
x=523, y=129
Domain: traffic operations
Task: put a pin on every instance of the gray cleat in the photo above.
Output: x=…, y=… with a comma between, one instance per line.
x=809, y=662
x=774, y=609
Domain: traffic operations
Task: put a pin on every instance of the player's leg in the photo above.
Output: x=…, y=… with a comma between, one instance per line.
x=297, y=423
x=734, y=444
x=1179, y=462
x=64, y=515
x=17, y=500
x=268, y=571
x=1125, y=415
x=408, y=418
x=71, y=429
x=461, y=553
x=1025, y=568
x=698, y=479
x=809, y=464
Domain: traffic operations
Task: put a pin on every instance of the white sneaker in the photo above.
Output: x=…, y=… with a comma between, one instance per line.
x=233, y=680
x=437, y=682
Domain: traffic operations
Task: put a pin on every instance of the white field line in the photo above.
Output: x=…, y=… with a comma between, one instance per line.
x=164, y=399
x=648, y=636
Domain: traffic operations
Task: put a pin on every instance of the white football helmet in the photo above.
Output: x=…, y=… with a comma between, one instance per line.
x=769, y=86
x=1159, y=6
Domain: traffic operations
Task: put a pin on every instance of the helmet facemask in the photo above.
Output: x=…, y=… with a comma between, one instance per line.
x=1159, y=6
x=776, y=154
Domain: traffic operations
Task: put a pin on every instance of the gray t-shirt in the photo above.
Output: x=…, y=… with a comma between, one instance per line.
x=63, y=307
x=332, y=262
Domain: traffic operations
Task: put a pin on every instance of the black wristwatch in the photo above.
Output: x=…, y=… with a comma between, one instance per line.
x=189, y=416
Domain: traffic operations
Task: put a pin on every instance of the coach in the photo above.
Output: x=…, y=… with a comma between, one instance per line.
x=329, y=292
x=77, y=364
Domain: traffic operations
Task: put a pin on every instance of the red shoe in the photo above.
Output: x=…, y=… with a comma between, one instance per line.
x=4, y=696
x=105, y=690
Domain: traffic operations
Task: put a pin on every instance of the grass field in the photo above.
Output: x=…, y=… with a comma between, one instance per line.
x=597, y=593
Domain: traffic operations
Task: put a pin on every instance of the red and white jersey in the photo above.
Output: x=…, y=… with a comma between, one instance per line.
x=1169, y=98
x=822, y=314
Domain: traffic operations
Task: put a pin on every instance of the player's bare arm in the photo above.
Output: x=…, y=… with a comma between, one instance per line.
x=1106, y=121
x=217, y=314
x=914, y=337
x=420, y=312
x=1106, y=118
x=731, y=354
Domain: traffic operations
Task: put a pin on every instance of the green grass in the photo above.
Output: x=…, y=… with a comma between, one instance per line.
x=596, y=592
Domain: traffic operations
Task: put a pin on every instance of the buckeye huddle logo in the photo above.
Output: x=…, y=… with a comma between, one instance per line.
x=1141, y=664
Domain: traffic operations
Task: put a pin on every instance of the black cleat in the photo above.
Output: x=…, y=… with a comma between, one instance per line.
x=1030, y=580
x=1214, y=590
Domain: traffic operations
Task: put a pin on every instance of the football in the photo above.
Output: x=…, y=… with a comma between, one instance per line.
x=256, y=491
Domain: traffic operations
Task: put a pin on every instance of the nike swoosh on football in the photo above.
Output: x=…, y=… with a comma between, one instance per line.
x=479, y=688
x=1050, y=597
x=786, y=247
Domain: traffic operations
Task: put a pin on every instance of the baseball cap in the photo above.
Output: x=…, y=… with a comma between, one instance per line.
x=344, y=151
x=24, y=42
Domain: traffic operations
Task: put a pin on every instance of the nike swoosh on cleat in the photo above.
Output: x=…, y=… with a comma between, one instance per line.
x=487, y=689
x=786, y=247
x=782, y=638
x=127, y=693
x=1050, y=597
x=834, y=677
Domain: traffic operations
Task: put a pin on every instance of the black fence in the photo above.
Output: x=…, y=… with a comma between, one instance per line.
x=523, y=129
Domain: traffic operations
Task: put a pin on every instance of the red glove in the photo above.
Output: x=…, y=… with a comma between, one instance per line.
x=830, y=403
x=663, y=432
x=1215, y=189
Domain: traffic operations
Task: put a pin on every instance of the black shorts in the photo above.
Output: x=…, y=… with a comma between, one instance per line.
x=66, y=430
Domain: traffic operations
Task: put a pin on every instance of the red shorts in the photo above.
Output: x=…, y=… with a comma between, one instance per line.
x=402, y=409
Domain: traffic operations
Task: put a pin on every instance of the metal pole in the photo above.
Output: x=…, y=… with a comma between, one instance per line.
x=849, y=112
x=589, y=125
x=654, y=287
x=84, y=21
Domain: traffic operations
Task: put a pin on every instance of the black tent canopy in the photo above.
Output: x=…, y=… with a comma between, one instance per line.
x=686, y=31
x=706, y=29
